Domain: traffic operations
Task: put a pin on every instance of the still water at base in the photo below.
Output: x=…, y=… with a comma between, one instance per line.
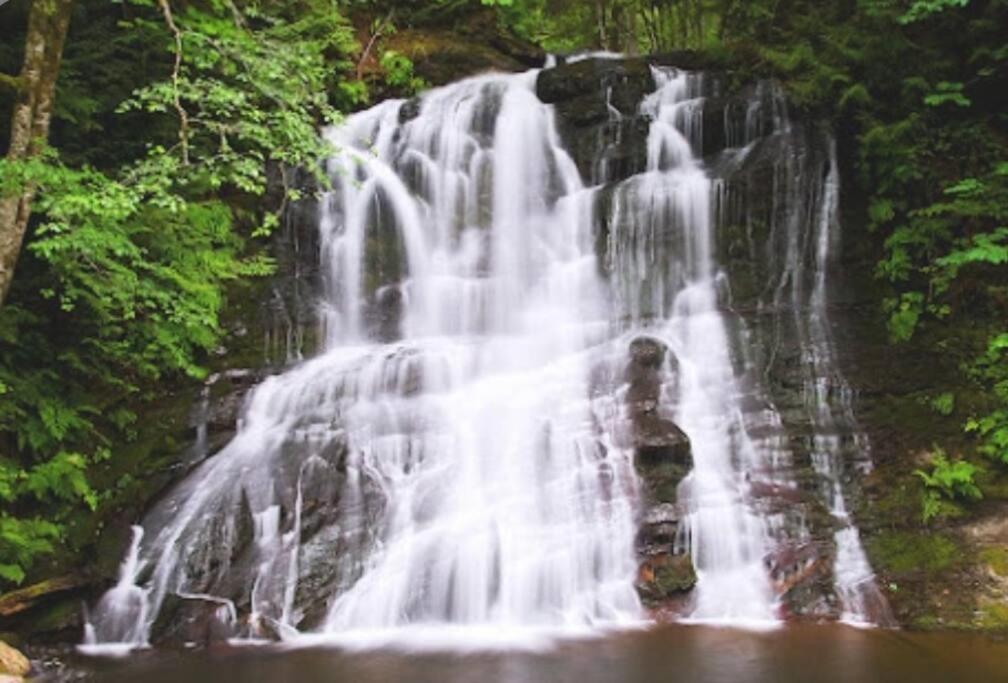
x=701, y=654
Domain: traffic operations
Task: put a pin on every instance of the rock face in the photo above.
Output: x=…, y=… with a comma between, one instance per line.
x=597, y=102
x=194, y=620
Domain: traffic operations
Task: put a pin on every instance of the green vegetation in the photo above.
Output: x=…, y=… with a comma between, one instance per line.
x=997, y=559
x=900, y=553
x=123, y=281
x=947, y=481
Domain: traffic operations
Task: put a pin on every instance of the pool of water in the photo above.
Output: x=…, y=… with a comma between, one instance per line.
x=679, y=653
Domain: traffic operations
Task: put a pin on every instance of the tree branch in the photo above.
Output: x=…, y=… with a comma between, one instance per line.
x=379, y=30
x=12, y=83
x=182, y=113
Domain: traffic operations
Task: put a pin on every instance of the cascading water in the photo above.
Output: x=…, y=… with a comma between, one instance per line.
x=668, y=281
x=451, y=458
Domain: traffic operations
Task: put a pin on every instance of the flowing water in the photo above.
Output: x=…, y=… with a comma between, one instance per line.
x=450, y=466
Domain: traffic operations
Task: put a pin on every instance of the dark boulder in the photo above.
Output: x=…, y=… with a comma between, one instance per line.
x=627, y=80
x=658, y=441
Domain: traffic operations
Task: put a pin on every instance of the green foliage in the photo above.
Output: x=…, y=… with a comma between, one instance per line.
x=991, y=370
x=904, y=313
x=566, y=26
x=399, y=72
x=947, y=93
x=21, y=541
x=251, y=89
x=943, y=404
x=126, y=272
x=947, y=481
x=923, y=9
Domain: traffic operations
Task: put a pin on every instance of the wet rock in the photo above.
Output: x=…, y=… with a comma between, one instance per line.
x=244, y=529
x=776, y=494
x=321, y=486
x=802, y=576
x=645, y=378
x=597, y=103
x=214, y=417
x=647, y=352
x=658, y=441
x=661, y=448
x=227, y=396
x=658, y=529
x=185, y=620
x=664, y=577
x=409, y=110
x=629, y=79
x=263, y=627
x=386, y=314
x=13, y=662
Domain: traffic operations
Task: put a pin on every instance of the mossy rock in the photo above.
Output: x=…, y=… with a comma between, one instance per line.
x=902, y=552
x=676, y=576
x=662, y=480
x=664, y=578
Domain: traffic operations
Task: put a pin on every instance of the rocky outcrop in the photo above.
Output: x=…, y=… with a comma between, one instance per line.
x=662, y=457
x=661, y=448
x=597, y=103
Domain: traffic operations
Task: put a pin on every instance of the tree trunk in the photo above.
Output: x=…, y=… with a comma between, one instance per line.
x=600, y=20
x=47, y=29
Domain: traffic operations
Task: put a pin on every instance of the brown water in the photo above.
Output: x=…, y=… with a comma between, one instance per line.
x=694, y=654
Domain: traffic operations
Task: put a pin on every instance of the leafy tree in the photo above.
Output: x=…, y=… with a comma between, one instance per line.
x=35, y=87
x=127, y=267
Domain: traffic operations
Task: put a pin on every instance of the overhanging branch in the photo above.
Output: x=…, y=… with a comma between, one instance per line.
x=12, y=83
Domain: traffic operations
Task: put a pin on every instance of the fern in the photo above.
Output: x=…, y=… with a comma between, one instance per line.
x=946, y=481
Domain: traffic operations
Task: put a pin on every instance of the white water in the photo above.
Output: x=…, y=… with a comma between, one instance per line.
x=830, y=401
x=482, y=489
x=119, y=617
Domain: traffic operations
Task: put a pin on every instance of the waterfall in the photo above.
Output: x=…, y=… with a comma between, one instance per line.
x=121, y=613
x=456, y=457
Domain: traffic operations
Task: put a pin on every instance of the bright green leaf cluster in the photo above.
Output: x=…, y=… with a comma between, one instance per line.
x=946, y=481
